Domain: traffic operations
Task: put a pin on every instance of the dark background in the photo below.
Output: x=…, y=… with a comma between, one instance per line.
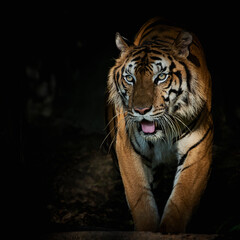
x=54, y=111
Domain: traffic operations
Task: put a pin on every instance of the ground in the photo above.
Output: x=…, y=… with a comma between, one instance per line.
x=73, y=185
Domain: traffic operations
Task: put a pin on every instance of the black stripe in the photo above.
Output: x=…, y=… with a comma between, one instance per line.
x=146, y=160
x=124, y=87
x=172, y=66
x=176, y=107
x=157, y=22
x=181, y=161
x=122, y=70
x=150, y=144
x=186, y=100
x=152, y=27
x=155, y=58
x=136, y=58
x=170, y=83
x=145, y=34
x=116, y=79
x=136, y=141
x=117, y=76
x=137, y=52
x=189, y=76
x=162, y=41
x=146, y=50
x=186, y=167
x=162, y=21
x=156, y=52
x=160, y=64
x=193, y=59
x=177, y=92
x=149, y=68
x=172, y=91
x=165, y=48
x=196, y=44
x=179, y=75
x=166, y=99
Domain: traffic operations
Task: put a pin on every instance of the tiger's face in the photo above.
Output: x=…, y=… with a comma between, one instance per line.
x=156, y=91
x=144, y=89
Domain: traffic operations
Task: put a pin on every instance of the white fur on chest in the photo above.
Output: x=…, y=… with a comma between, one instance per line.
x=158, y=152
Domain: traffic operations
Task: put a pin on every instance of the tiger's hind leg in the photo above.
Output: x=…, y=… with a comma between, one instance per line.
x=190, y=182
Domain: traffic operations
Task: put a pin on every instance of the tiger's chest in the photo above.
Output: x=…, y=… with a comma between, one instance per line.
x=156, y=152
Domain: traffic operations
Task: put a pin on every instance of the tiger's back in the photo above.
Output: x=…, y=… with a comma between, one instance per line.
x=159, y=110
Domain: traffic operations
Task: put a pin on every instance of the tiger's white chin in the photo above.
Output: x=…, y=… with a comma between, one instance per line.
x=153, y=137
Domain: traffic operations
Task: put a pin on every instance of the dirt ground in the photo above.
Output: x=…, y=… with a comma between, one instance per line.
x=74, y=185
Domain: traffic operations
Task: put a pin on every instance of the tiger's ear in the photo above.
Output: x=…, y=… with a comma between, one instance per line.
x=121, y=42
x=181, y=44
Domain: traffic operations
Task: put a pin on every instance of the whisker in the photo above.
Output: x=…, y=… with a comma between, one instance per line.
x=111, y=120
x=167, y=128
x=106, y=137
x=172, y=127
x=114, y=129
x=181, y=121
x=114, y=138
x=176, y=126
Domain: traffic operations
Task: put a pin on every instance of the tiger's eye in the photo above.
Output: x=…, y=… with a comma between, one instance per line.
x=129, y=79
x=162, y=76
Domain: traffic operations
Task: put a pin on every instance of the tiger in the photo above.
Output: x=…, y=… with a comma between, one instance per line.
x=158, y=111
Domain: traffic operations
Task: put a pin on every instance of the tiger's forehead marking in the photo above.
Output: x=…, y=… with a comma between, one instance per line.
x=158, y=66
x=154, y=65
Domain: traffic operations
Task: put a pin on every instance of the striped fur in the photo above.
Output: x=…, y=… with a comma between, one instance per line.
x=158, y=112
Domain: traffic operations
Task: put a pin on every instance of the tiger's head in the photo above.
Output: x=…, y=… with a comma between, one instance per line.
x=159, y=86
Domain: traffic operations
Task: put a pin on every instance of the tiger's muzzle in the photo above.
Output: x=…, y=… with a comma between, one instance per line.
x=148, y=122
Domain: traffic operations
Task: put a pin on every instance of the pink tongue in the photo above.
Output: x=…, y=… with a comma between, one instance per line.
x=148, y=127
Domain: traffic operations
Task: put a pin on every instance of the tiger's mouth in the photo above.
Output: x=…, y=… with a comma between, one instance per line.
x=149, y=127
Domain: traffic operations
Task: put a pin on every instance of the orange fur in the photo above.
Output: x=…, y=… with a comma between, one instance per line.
x=159, y=110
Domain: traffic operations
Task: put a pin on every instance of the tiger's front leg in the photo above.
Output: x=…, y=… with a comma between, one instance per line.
x=190, y=182
x=136, y=184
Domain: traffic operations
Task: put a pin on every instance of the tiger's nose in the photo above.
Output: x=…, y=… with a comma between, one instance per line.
x=142, y=111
